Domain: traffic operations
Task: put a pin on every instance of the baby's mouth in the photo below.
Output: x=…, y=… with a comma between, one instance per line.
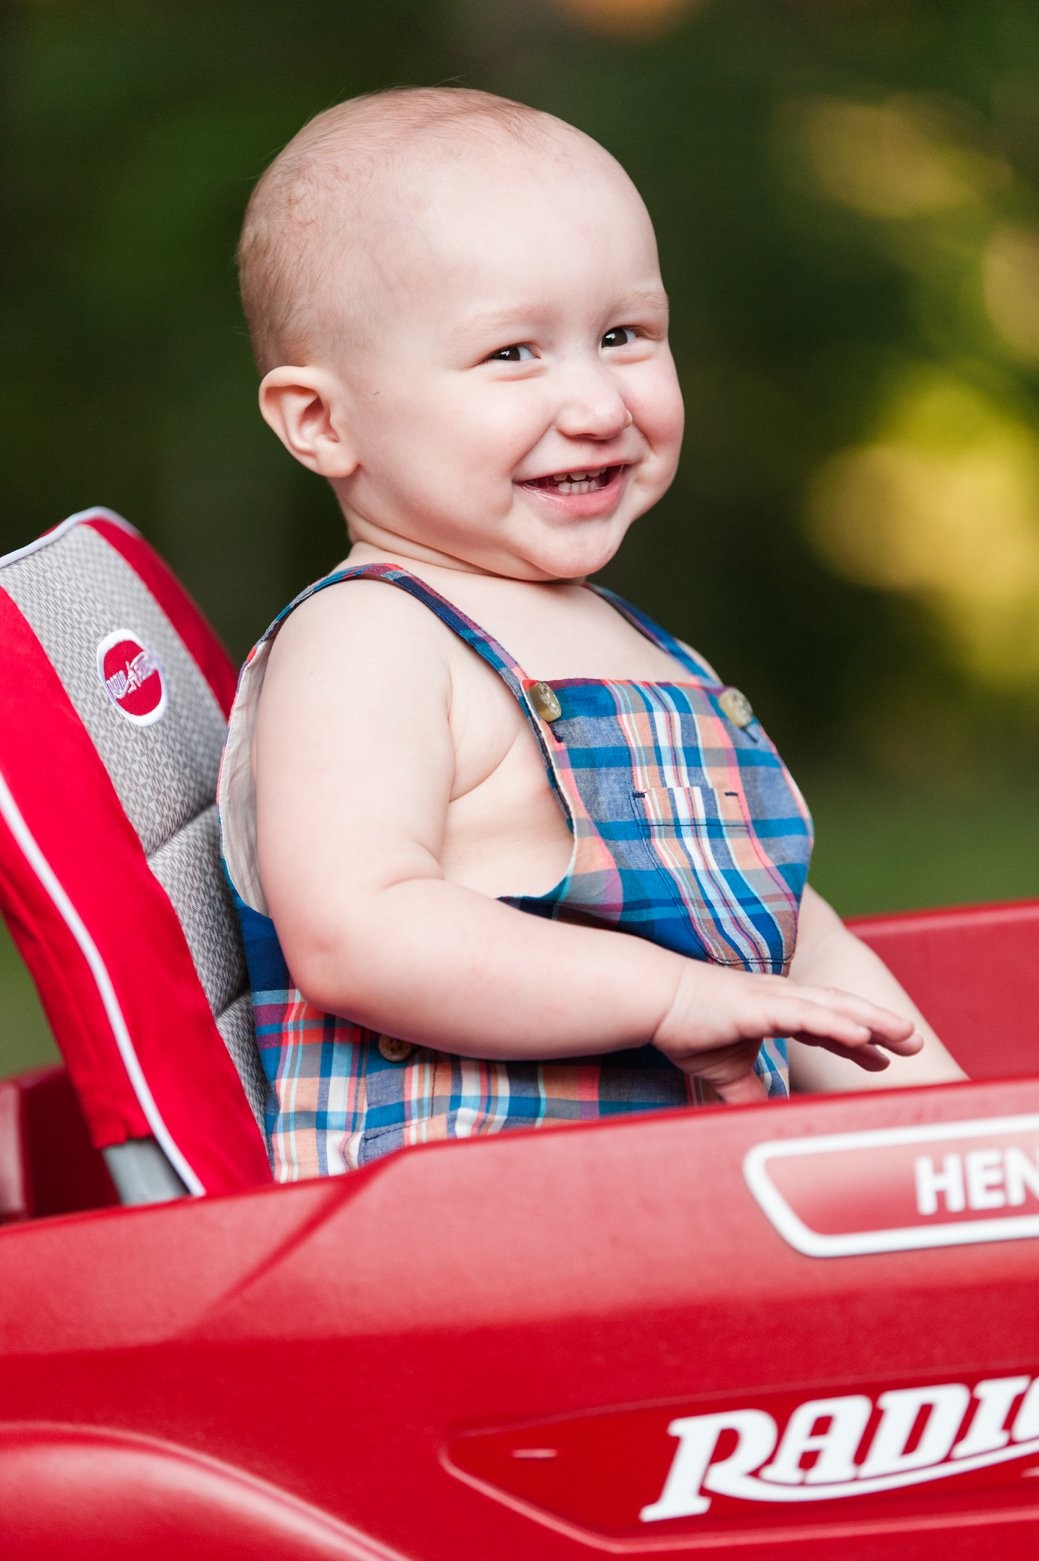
x=576, y=482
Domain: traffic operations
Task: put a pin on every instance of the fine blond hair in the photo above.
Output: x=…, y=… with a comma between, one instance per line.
x=326, y=191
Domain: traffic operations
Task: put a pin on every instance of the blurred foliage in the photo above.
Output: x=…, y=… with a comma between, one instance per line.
x=847, y=199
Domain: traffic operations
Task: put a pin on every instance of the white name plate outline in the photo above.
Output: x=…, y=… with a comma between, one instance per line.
x=926, y=1230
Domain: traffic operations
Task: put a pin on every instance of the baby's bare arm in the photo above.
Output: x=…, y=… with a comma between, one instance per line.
x=355, y=768
x=828, y=953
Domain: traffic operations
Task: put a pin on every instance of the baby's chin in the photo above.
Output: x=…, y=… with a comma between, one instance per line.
x=581, y=557
x=569, y=561
x=567, y=557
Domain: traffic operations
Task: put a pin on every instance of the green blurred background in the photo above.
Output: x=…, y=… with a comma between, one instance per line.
x=847, y=199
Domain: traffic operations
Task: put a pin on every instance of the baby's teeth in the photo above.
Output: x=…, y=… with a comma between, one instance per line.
x=578, y=482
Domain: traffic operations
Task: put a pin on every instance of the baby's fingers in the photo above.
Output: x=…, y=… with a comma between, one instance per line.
x=867, y=1056
x=853, y=1027
x=728, y=1069
x=886, y=1028
x=747, y=1089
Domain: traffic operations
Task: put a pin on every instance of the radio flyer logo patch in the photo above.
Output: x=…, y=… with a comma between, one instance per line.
x=848, y=1444
x=846, y=1454
x=132, y=677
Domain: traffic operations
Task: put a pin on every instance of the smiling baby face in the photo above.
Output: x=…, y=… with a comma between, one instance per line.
x=488, y=323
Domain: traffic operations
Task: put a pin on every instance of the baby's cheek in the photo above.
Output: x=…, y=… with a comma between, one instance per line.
x=672, y=407
x=656, y=404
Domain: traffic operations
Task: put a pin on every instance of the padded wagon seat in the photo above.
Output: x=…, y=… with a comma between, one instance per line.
x=113, y=704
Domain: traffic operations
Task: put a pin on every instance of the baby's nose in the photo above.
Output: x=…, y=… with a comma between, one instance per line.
x=592, y=408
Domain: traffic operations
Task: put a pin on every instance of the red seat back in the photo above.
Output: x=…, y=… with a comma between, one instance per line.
x=112, y=712
x=974, y=973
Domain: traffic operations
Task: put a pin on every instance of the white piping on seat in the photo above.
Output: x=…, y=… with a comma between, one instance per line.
x=15, y=820
x=97, y=510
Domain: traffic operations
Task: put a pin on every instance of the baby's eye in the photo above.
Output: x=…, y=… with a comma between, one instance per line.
x=620, y=336
x=519, y=352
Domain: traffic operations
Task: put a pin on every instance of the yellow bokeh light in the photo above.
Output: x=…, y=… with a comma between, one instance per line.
x=1011, y=286
x=627, y=18
x=906, y=157
x=947, y=513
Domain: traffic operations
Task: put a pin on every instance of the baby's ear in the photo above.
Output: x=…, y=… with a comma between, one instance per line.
x=304, y=407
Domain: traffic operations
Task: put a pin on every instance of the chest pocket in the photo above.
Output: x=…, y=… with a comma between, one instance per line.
x=738, y=878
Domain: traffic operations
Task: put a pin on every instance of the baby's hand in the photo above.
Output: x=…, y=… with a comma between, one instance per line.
x=720, y=1017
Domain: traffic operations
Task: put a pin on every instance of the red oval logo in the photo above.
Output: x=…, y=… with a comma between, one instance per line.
x=132, y=676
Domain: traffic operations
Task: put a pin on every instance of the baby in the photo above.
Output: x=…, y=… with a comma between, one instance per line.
x=506, y=853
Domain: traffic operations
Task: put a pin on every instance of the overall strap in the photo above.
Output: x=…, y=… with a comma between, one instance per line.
x=237, y=794
x=658, y=636
x=484, y=644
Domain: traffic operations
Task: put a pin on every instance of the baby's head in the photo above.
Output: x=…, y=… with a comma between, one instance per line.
x=456, y=304
x=309, y=254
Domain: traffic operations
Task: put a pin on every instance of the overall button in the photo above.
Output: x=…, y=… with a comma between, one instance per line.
x=545, y=702
x=736, y=706
x=394, y=1050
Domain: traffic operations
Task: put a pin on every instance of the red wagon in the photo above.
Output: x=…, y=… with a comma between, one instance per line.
x=808, y=1330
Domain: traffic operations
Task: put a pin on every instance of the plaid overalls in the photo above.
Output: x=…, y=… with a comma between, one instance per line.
x=687, y=830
